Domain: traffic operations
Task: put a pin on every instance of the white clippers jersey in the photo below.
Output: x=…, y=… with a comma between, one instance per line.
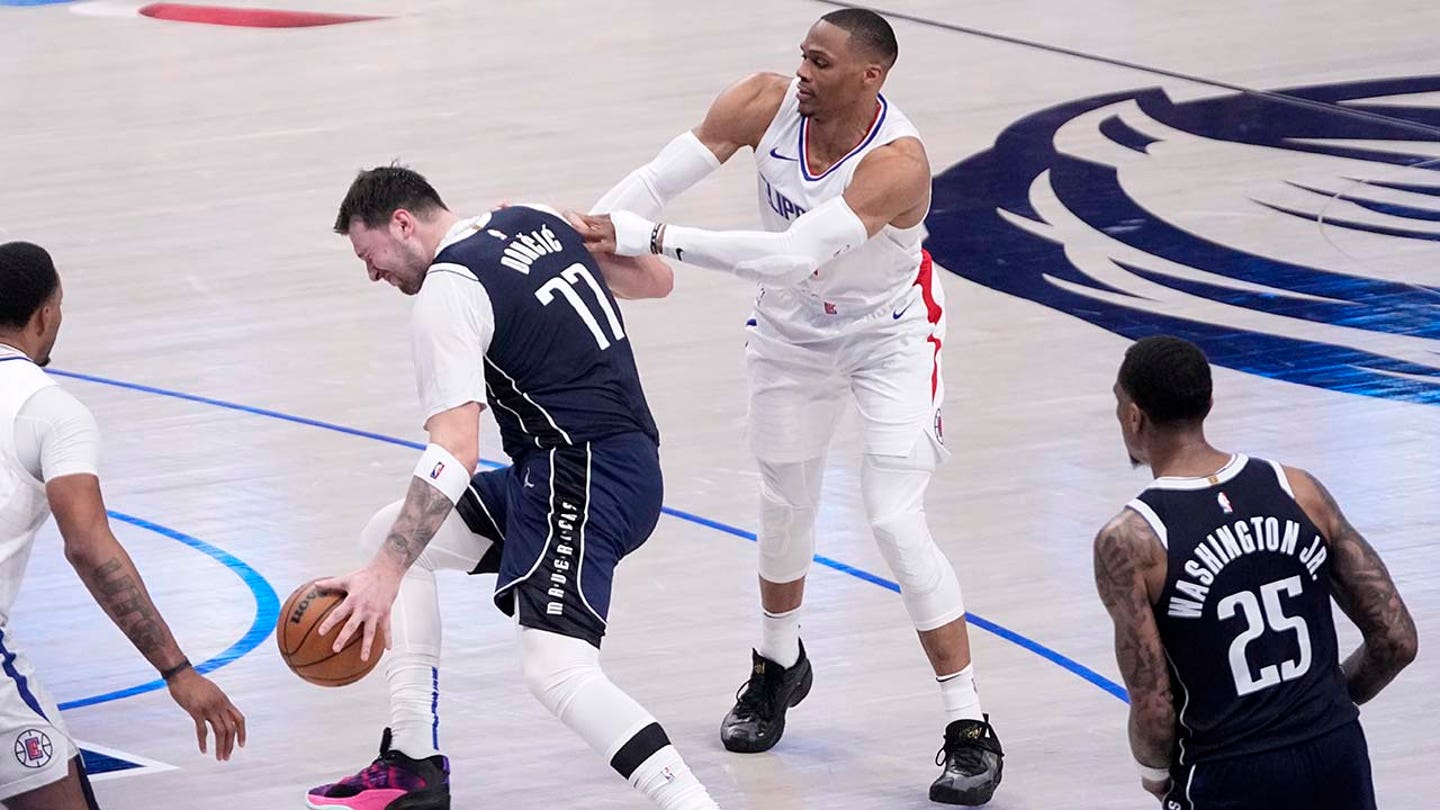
x=871, y=277
x=23, y=505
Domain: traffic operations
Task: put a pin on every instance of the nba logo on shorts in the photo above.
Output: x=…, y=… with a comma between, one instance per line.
x=939, y=427
x=33, y=749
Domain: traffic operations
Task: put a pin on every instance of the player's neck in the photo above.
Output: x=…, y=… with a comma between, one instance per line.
x=1185, y=455
x=17, y=342
x=436, y=229
x=835, y=134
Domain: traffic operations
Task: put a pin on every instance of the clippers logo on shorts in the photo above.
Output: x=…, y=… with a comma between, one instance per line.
x=33, y=749
x=1302, y=249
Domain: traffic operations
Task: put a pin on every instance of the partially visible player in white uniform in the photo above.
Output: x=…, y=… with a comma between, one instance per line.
x=49, y=449
x=847, y=307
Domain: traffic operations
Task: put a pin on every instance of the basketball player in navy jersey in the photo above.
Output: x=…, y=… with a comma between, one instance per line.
x=1219, y=579
x=513, y=312
x=848, y=311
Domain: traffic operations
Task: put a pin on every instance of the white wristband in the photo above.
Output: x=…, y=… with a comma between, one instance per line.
x=443, y=471
x=1150, y=774
x=634, y=234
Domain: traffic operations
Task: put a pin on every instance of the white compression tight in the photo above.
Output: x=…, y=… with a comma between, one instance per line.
x=564, y=674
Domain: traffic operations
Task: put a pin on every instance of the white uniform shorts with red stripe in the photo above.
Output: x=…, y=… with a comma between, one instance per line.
x=888, y=361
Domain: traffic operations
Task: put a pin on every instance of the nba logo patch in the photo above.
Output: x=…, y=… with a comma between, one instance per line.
x=939, y=427
x=830, y=308
x=1225, y=503
x=439, y=468
x=33, y=749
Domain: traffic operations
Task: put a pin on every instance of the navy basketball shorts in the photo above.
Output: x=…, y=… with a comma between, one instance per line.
x=562, y=520
x=1329, y=772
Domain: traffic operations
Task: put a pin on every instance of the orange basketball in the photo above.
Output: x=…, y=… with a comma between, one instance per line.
x=308, y=654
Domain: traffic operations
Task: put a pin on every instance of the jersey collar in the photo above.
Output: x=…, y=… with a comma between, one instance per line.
x=462, y=230
x=1231, y=469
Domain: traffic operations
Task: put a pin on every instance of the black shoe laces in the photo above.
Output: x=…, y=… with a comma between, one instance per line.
x=755, y=699
x=967, y=754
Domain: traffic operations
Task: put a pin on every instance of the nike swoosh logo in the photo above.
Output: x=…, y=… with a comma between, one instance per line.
x=779, y=156
x=679, y=254
x=900, y=312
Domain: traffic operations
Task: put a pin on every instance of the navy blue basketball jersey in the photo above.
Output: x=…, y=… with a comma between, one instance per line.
x=559, y=370
x=1245, y=615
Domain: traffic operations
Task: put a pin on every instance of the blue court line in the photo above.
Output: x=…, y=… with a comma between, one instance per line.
x=267, y=610
x=1059, y=659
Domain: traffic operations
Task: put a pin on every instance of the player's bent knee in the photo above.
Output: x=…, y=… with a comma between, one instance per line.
x=378, y=527
x=928, y=584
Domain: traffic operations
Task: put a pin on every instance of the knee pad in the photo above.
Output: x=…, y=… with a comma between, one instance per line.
x=789, y=498
x=894, y=500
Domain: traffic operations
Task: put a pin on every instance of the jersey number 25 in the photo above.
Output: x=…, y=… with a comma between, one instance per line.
x=1258, y=614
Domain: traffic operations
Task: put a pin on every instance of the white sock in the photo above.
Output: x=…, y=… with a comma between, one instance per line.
x=780, y=637
x=667, y=781
x=412, y=666
x=414, y=695
x=962, y=702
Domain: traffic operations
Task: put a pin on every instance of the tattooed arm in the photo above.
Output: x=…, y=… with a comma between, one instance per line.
x=1129, y=573
x=371, y=591
x=110, y=575
x=1363, y=588
x=106, y=569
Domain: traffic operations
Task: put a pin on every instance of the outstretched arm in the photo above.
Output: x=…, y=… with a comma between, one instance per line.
x=1364, y=590
x=111, y=577
x=738, y=117
x=1128, y=560
x=891, y=185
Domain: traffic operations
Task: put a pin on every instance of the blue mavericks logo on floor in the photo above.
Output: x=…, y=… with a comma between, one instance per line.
x=1297, y=238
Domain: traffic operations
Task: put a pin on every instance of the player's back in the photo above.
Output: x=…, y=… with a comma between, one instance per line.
x=559, y=369
x=1245, y=614
x=23, y=505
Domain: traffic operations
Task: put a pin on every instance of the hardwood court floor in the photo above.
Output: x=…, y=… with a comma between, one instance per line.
x=186, y=176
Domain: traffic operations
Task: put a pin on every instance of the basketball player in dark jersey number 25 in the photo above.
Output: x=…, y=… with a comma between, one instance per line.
x=1219, y=578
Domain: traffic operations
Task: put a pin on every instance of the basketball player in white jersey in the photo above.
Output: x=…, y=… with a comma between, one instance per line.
x=847, y=307
x=49, y=448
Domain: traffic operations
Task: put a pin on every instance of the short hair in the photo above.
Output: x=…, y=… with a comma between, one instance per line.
x=1169, y=378
x=27, y=280
x=870, y=30
x=378, y=193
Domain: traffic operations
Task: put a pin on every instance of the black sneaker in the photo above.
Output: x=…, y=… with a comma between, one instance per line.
x=972, y=759
x=400, y=782
x=758, y=719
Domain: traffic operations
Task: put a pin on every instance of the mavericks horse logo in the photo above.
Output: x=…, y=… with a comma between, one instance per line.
x=1294, y=235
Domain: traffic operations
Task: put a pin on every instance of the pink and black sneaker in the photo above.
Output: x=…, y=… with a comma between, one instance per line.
x=392, y=782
